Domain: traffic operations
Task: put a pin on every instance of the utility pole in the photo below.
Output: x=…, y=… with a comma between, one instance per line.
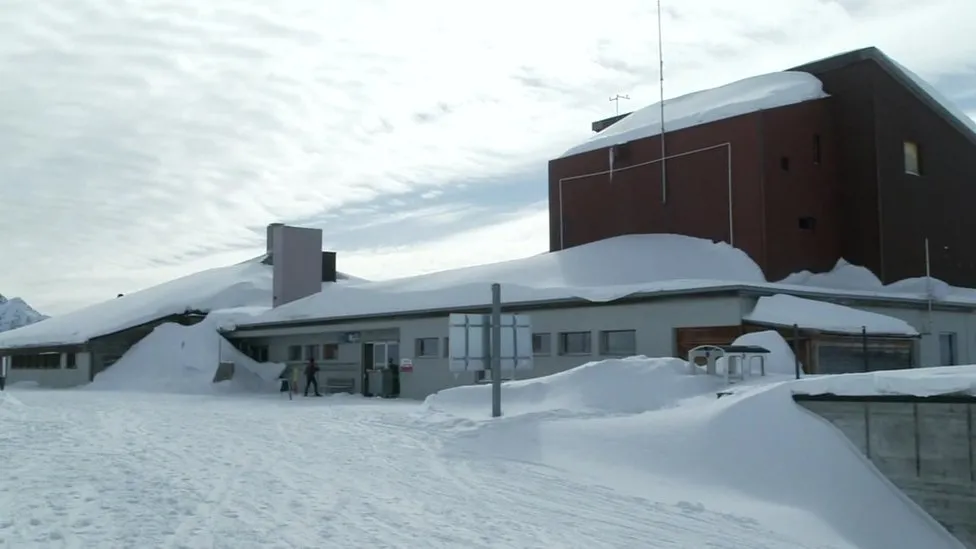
x=616, y=99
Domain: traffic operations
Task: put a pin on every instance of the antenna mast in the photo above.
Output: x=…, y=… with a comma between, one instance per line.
x=616, y=99
x=660, y=56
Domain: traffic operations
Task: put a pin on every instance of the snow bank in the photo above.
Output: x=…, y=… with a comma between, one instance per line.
x=922, y=382
x=779, y=361
x=629, y=385
x=754, y=456
x=843, y=276
x=786, y=310
x=183, y=359
x=758, y=93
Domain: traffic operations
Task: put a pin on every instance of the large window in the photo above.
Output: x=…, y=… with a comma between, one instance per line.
x=618, y=343
x=46, y=361
x=947, y=350
x=541, y=344
x=426, y=347
x=575, y=343
x=311, y=352
x=913, y=162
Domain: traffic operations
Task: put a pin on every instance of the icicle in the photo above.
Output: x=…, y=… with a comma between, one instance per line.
x=611, y=163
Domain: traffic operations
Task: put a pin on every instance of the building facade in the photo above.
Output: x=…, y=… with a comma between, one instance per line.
x=568, y=335
x=867, y=174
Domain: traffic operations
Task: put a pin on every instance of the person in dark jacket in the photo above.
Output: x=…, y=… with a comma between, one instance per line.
x=310, y=370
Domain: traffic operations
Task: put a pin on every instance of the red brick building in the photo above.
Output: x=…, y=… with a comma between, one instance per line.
x=795, y=177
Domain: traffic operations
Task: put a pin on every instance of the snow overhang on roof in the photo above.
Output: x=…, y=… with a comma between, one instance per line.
x=786, y=311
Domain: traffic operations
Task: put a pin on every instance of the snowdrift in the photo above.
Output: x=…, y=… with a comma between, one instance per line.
x=786, y=310
x=184, y=359
x=755, y=454
x=923, y=382
x=628, y=385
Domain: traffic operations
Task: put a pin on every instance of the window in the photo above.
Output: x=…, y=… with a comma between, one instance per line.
x=807, y=223
x=426, y=347
x=72, y=363
x=295, y=353
x=618, y=343
x=311, y=351
x=330, y=351
x=259, y=353
x=46, y=361
x=816, y=148
x=541, y=344
x=912, y=160
x=947, y=349
x=447, y=347
x=784, y=163
x=575, y=343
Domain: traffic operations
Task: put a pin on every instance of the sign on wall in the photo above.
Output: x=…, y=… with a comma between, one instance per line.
x=469, y=348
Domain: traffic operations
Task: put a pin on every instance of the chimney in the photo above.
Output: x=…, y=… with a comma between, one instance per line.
x=297, y=262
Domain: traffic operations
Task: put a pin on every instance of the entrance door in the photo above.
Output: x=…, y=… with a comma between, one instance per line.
x=382, y=356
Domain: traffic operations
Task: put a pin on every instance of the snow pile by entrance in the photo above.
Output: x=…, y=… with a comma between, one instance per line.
x=754, y=456
x=184, y=359
x=628, y=385
x=779, y=361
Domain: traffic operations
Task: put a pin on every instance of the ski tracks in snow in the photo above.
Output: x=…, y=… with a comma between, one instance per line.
x=88, y=469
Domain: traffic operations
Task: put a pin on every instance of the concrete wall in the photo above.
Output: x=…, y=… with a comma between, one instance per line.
x=928, y=449
x=654, y=323
x=56, y=378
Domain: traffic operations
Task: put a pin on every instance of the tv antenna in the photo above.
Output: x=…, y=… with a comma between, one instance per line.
x=616, y=99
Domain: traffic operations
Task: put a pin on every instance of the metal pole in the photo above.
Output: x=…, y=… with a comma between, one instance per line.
x=928, y=286
x=660, y=57
x=496, y=350
x=864, y=348
x=796, y=350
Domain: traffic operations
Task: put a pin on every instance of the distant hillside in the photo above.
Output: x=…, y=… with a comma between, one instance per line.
x=15, y=313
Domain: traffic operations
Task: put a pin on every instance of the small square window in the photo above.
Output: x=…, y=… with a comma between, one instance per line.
x=817, y=152
x=913, y=164
x=426, y=347
x=541, y=344
x=807, y=223
x=330, y=351
x=618, y=343
x=784, y=163
x=294, y=353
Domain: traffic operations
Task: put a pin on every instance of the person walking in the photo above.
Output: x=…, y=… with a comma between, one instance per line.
x=310, y=370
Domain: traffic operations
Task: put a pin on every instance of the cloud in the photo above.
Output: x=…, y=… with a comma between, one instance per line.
x=145, y=140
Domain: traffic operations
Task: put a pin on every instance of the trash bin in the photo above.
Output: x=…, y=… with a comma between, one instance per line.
x=377, y=383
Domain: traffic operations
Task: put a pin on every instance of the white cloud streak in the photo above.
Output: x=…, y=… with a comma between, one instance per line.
x=147, y=139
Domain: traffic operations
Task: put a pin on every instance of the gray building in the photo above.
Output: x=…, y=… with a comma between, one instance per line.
x=570, y=332
x=71, y=349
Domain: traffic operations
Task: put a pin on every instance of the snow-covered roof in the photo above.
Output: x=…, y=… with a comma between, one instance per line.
x=782, y=310
x=757, y=93
x=244, y=285
x=920, y=382
x=598, y=272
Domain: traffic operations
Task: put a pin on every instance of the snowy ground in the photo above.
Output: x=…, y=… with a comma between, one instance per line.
x=133, y=469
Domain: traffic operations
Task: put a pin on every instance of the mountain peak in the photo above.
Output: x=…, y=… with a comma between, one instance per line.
x=16, y=313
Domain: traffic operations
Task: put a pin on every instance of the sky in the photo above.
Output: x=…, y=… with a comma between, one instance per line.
x=143, y=140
